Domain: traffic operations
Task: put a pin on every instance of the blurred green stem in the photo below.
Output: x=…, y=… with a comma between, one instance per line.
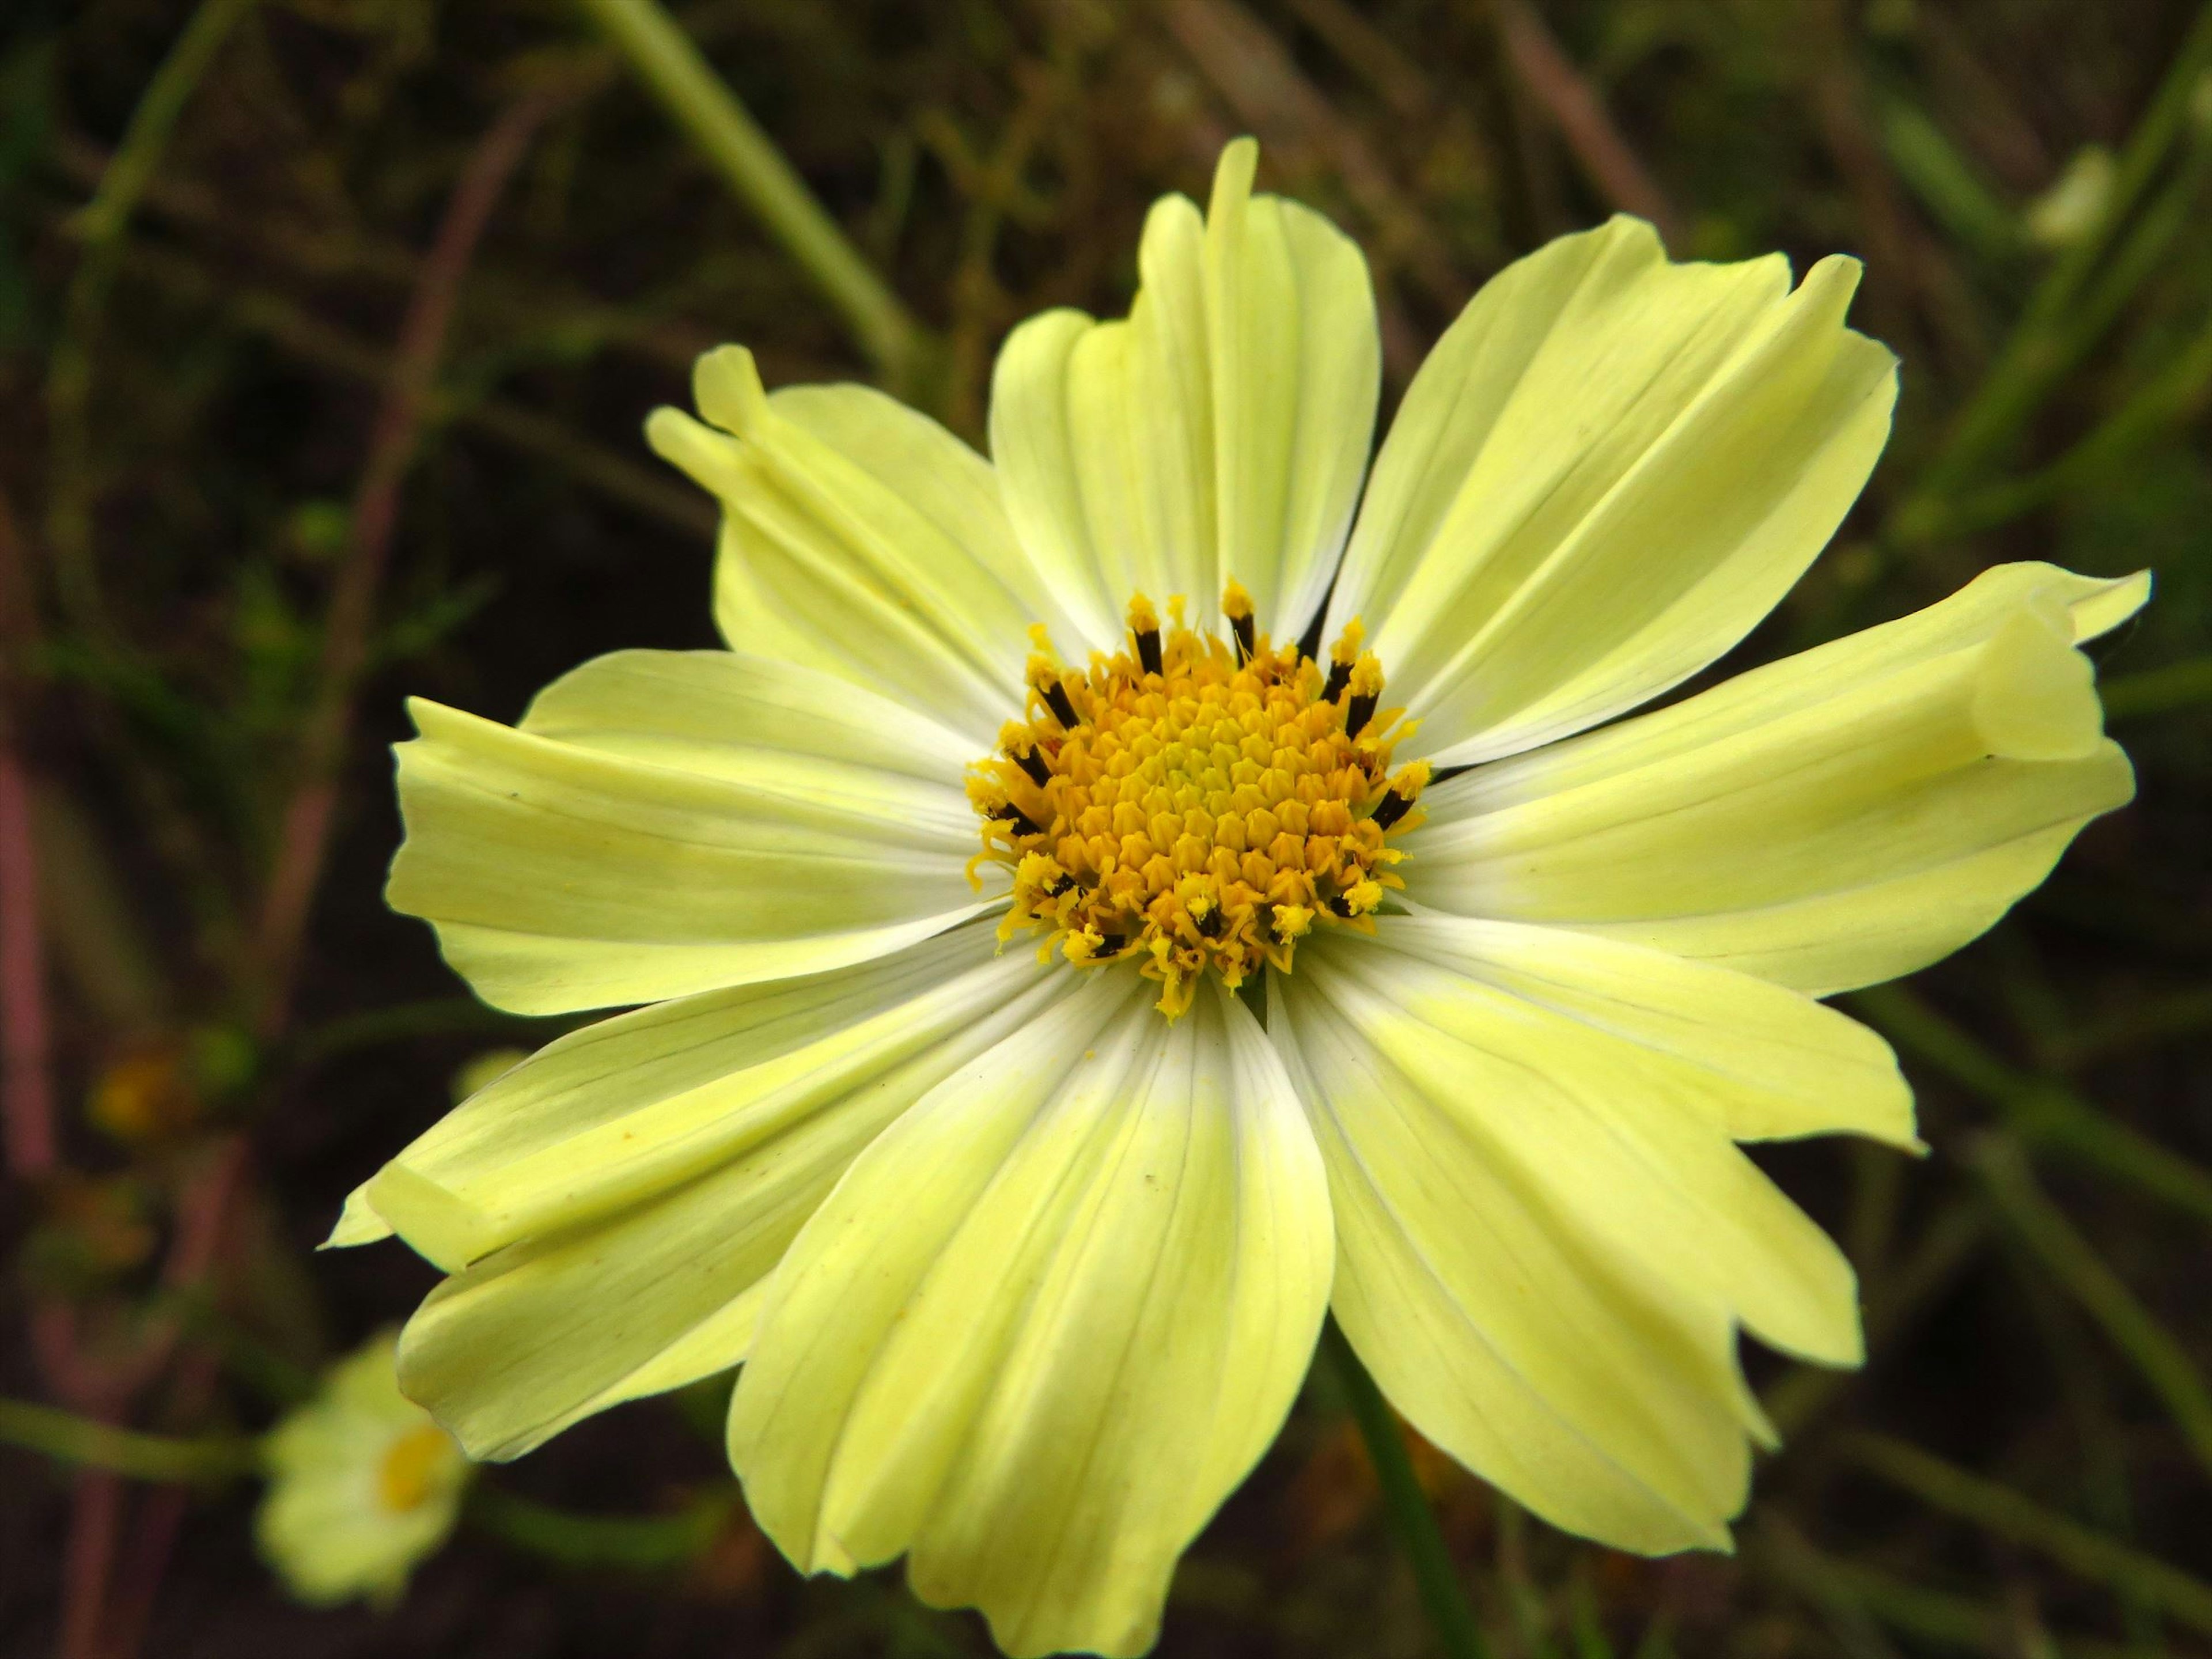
x=2158, y=690
x=2173, y=395
x=101, y=227
x=1408, y=1506
x=83, y=1440
x=2044, y=1229
x=2057, y=327
x=2044, y=1112
x=688, y=87
x=1936, y=1616
x=643, y=1543
x=2000, y=1509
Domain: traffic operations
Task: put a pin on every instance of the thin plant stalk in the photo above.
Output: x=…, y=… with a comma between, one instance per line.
x=90, y=1443
x=2161, y=1361
x=101, y=227
x=1999, y=1510
x=2038, y=350
x=2044, y=1112
x=1408, y=1506
x=679, y=75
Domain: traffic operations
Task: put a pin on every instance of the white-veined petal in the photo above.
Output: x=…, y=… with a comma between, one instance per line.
x=1608, y=470
x=1220, y=431
x=1047, y=1322
x=689, y=829
x=1546, y=1235
x=635, y=1183
x=1831, y=820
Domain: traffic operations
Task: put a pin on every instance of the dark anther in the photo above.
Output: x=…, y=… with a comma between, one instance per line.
x=1246, y=642
x=1340, y=676
x=1058, y=885
x=1358, y=712
x=1148, y=649
x=1020, y=820
x=1033, y=763
x=1392, y=807
x=1056, y=698
x=1339, y=906
x=1211, y=924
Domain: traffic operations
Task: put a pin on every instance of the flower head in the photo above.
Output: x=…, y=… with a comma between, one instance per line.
x=362, y=1484
x=1114, y=902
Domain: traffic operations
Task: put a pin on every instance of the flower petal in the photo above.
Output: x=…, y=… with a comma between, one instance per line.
x=1609, y=469
x=668, y=823
x=624, y=1194
x=1047, y=1322
x=862, y=539
x=1833, y=819
x=1546, y=1237
x=1222, y=430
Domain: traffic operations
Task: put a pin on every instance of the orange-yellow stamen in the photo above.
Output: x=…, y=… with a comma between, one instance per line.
x=1192, y=802
x=410, y=1467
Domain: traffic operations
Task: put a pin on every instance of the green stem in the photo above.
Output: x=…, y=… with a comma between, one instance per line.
x=2044, y=1112
x=68, y=1438
x=643, y=1543
x=2158, y=690
x=668, y=62
x=2000, y=1509
x=101, y=227
x=2048, y=337
x=2161, y=1361
x=1408, y=1506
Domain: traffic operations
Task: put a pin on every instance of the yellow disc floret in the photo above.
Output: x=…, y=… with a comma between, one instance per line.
x=407, y=1473
x=1192, y=802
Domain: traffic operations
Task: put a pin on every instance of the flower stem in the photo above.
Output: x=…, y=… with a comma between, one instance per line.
x=642, y=1543
x=1408, y=1506
x=68, y=1438
x=725, y=132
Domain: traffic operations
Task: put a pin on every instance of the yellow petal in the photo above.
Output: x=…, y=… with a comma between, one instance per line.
x=1047, y=1322
x=1545, y=1237
x=1221, y=430
x=1608, y=470
x=862, y=539
x=1839, y=817
x=635, y=1183
x=702, y=819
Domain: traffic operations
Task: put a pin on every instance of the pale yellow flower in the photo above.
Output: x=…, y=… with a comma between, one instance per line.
x=363, y=1485
x=944, y=1117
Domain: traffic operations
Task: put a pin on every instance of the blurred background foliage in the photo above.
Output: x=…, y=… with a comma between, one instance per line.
x=326, y=327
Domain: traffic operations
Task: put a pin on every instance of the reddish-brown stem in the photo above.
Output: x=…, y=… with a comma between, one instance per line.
x=88, y=1561
x=1567, y=97
x=26, y=1090
x=25, y=1078
x=303, y=838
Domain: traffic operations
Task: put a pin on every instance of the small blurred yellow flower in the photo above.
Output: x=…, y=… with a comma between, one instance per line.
x=363, y=1485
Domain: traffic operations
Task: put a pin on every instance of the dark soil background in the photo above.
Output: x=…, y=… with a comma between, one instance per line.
x=195, y=648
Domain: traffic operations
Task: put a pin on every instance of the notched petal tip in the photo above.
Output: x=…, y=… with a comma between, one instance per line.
x=358, y=1223
x=692, y=447
x=1232, y=178
x=443, y=1229
x=2105, y=608
x=2036, y=699
x=726, y=384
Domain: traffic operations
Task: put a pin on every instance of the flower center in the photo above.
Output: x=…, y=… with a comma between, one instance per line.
x=1193, y=802
x=410, y=1468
